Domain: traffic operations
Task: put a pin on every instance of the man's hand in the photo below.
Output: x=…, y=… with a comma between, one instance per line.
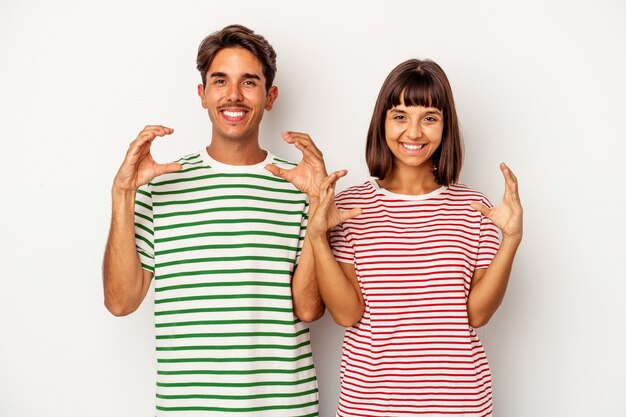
x=310, y=172
x=139, y=167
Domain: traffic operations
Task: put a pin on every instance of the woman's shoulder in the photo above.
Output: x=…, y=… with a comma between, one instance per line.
x=356, y=196
x=358, y=191
x=466, y=193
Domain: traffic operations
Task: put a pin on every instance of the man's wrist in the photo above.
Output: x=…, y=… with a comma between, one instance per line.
x=123, y=196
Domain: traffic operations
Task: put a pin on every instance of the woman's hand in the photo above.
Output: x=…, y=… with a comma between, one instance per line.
x=327, y=215
x=508, y=215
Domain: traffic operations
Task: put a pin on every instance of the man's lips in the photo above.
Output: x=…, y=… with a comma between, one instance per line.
x=234, y=114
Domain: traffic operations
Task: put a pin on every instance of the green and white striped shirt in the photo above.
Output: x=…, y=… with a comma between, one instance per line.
x=222, y=242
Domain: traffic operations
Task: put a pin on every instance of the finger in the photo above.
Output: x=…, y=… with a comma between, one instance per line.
x=326, y=185
x=350, y=214
x=148, y=134
x=333, y=178
x=277, y=171
x=305, y=141
x=164, y=129
x=303, y=144
x=307, y=152
x=511, y=173
x=291, y=135
x=326, y=198
x=509, y=177
x=341, y=173
x=141, y=145
x=167, y=168
x=483, y=209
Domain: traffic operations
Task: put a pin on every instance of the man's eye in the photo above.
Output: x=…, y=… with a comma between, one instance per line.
x=249, y=83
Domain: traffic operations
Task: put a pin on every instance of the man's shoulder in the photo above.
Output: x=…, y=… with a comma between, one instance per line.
x=192, y=165
x=281, y=162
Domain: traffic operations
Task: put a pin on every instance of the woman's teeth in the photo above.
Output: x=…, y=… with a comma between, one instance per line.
x=413, y=147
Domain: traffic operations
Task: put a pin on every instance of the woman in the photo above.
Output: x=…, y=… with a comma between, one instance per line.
x=414, y=262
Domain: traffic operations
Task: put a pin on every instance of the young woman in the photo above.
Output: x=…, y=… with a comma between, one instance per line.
x=414, y=262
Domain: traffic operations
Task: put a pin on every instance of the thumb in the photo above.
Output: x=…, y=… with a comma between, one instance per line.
x=276, y=171
x=350, y=214
x=484, y=210
x=167, y=168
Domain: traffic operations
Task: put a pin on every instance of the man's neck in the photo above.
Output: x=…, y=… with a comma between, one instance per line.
x=235, y=152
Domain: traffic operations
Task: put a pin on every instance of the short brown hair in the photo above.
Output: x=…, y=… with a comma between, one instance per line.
x=417, y=83
x=237, y=36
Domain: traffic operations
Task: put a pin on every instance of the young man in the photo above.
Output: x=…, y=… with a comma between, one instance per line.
x=222, y=236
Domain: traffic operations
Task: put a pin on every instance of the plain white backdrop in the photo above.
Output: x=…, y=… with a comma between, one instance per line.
x=539, y=85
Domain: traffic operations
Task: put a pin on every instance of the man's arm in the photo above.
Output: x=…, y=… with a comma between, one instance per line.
x=307, y=303
x=307, y=177
x=125, y=281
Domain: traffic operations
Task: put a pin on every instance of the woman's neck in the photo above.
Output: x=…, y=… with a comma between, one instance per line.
x=410, y=180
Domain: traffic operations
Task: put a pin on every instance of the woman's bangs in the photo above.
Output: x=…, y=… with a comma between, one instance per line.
x=421, y=90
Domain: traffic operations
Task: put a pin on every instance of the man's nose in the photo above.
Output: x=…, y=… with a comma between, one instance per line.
x=234, y=92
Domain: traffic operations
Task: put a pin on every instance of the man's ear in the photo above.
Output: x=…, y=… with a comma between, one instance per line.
x=201, y=95
x=272, y=95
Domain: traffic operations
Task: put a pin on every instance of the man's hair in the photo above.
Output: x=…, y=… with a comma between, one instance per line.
x=417, y=83
x=237, y=36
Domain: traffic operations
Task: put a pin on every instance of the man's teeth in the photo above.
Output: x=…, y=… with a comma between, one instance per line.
x=412, y=147
x=234, y=113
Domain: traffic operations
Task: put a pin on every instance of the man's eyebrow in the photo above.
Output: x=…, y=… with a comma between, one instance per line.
x=246, y=75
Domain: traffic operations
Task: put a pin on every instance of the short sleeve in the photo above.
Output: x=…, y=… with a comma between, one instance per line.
x=488, y=243
x=303, y=224
x=342, y=248
x=144, y=227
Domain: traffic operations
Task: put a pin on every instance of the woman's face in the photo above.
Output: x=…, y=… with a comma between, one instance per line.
x=413, y=134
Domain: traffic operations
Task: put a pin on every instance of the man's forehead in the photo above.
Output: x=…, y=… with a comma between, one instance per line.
x=236, y=62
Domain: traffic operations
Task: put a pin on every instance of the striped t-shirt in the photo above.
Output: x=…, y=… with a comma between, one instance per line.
x=413, y=353
x=223, y=242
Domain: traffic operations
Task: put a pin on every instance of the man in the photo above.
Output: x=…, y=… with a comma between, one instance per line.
x=222, y=236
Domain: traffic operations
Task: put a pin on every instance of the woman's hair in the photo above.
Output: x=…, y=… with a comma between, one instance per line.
x=237, y=36
x=416, y=83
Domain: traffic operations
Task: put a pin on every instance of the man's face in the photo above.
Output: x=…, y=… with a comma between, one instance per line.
x=234, y=95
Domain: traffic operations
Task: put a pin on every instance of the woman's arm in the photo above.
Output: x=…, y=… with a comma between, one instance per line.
x=337, y=282
x=489, y=285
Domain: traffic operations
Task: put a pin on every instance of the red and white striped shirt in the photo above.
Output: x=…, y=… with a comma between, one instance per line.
x=414, y=352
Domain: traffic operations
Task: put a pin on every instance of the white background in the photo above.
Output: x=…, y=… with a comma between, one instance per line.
x=540, y=86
